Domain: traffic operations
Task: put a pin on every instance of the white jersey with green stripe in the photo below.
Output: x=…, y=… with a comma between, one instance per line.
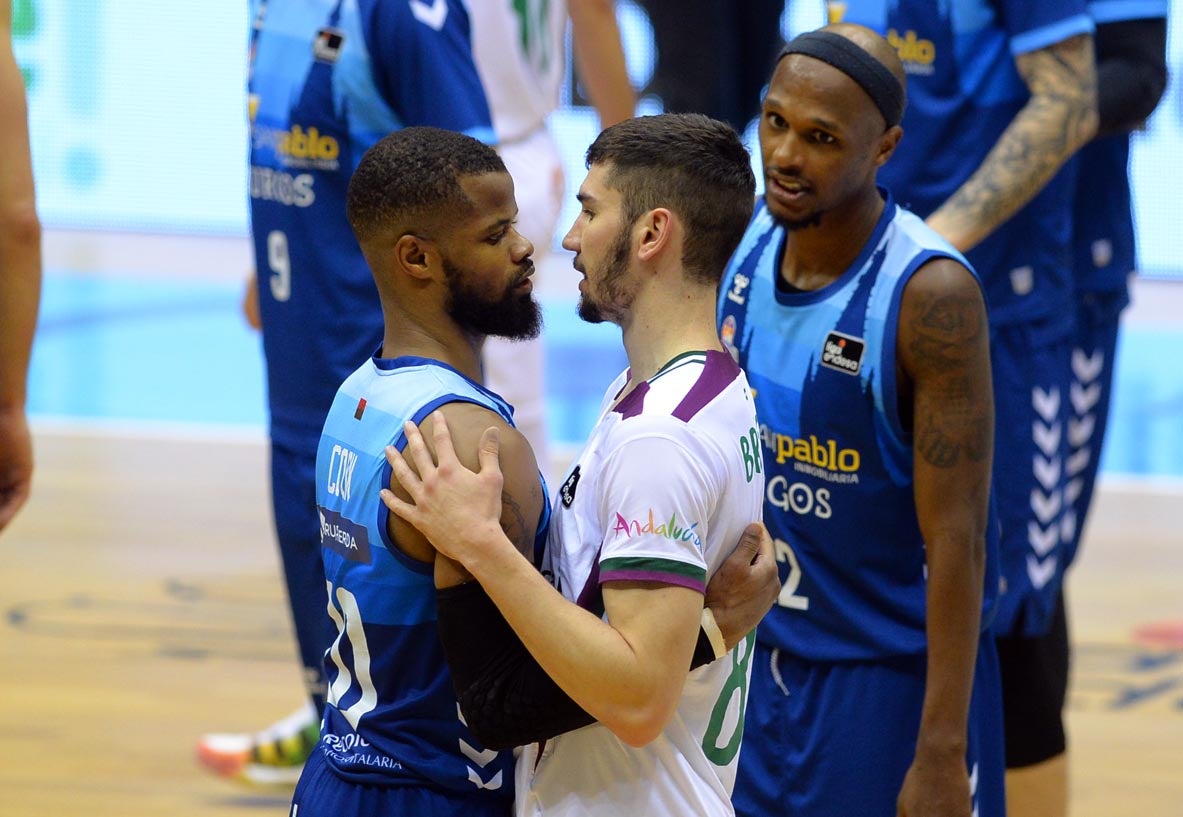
x=661, y=493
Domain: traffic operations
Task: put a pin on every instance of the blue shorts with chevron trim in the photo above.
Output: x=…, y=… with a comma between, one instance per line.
x=321, y=793
x=1032, y=408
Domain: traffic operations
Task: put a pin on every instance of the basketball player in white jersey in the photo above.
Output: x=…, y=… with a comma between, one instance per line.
x=668, y=480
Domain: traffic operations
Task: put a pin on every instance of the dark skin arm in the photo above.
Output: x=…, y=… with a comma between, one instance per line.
x=521, y=495
x=1057, y=120
x=20, y=279
x=947, y=400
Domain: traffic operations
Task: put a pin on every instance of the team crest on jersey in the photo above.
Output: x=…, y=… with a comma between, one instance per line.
x=327, y=45
x=567, y=492
x=843, y=353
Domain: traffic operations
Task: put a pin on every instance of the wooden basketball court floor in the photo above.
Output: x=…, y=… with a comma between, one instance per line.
x=142, y=606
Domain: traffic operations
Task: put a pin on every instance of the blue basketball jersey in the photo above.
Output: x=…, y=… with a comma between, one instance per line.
x=963, y=91
x=391, y=716
x=838, y=462
x=1103, y=220
x=328, y=79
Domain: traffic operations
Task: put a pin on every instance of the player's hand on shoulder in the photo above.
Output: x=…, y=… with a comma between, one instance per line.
x=464, y=475
x=745, y=586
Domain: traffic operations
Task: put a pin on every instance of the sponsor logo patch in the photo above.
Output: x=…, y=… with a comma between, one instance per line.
x=343, y=536
x=567, y=492
x=327, y=45
x=843, y=353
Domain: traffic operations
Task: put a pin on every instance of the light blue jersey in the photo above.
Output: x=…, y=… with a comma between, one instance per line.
x=963, y=91
x=838, y=462
x=328, y=79
x=391, y=717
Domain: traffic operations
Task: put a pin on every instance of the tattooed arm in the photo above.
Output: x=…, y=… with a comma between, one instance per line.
x=946, y=396
x=1057, y=120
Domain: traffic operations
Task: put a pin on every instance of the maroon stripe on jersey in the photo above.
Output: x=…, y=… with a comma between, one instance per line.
x=717, y=374
x=634, y=404
x=655, y=576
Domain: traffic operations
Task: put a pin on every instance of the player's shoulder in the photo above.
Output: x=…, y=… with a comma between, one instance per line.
x=942, y=276
x=690, y=382
x=468, y=420
x=691, y=398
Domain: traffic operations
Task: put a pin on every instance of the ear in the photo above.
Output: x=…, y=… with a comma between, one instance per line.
x=656, y=232
x=415, y=256
x=887, y=144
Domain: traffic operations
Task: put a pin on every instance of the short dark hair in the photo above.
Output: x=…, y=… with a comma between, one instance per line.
x=414, y=173
x=695, y=166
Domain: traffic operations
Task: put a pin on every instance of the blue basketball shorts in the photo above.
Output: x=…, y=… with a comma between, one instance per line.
x=1032, y=406
x=837, y=739
x=321, y=793
x=1094, y=346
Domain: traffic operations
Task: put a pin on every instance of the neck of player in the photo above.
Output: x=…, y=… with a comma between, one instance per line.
x=668, y=318
x=817, y=255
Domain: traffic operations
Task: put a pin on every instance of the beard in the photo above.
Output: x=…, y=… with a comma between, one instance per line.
x=514, y=316
x=616, y=299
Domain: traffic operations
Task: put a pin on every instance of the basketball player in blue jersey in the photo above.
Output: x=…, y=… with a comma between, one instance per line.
x=875, y=684
x=669, y=478
x=1130, y=44
x=1002, y=93
x=433, y=213
x=327, y=80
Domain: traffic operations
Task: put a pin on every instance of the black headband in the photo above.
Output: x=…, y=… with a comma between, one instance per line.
x=871, y=75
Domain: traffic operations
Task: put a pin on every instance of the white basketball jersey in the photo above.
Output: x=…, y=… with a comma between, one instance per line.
x=667, y=482
x=520, y=52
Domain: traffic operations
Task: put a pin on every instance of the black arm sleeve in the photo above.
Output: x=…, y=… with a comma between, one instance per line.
x=1131, y=72
x=505, y=696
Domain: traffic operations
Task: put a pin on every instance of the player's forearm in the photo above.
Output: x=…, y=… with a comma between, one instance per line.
x=1058, y=119
x=599, y=60
x=588, y=658
x=20, y=241
x=956, y=565
x=20, y=295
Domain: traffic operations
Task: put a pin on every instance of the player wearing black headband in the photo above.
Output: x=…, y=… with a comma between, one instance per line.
x=864, y=337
